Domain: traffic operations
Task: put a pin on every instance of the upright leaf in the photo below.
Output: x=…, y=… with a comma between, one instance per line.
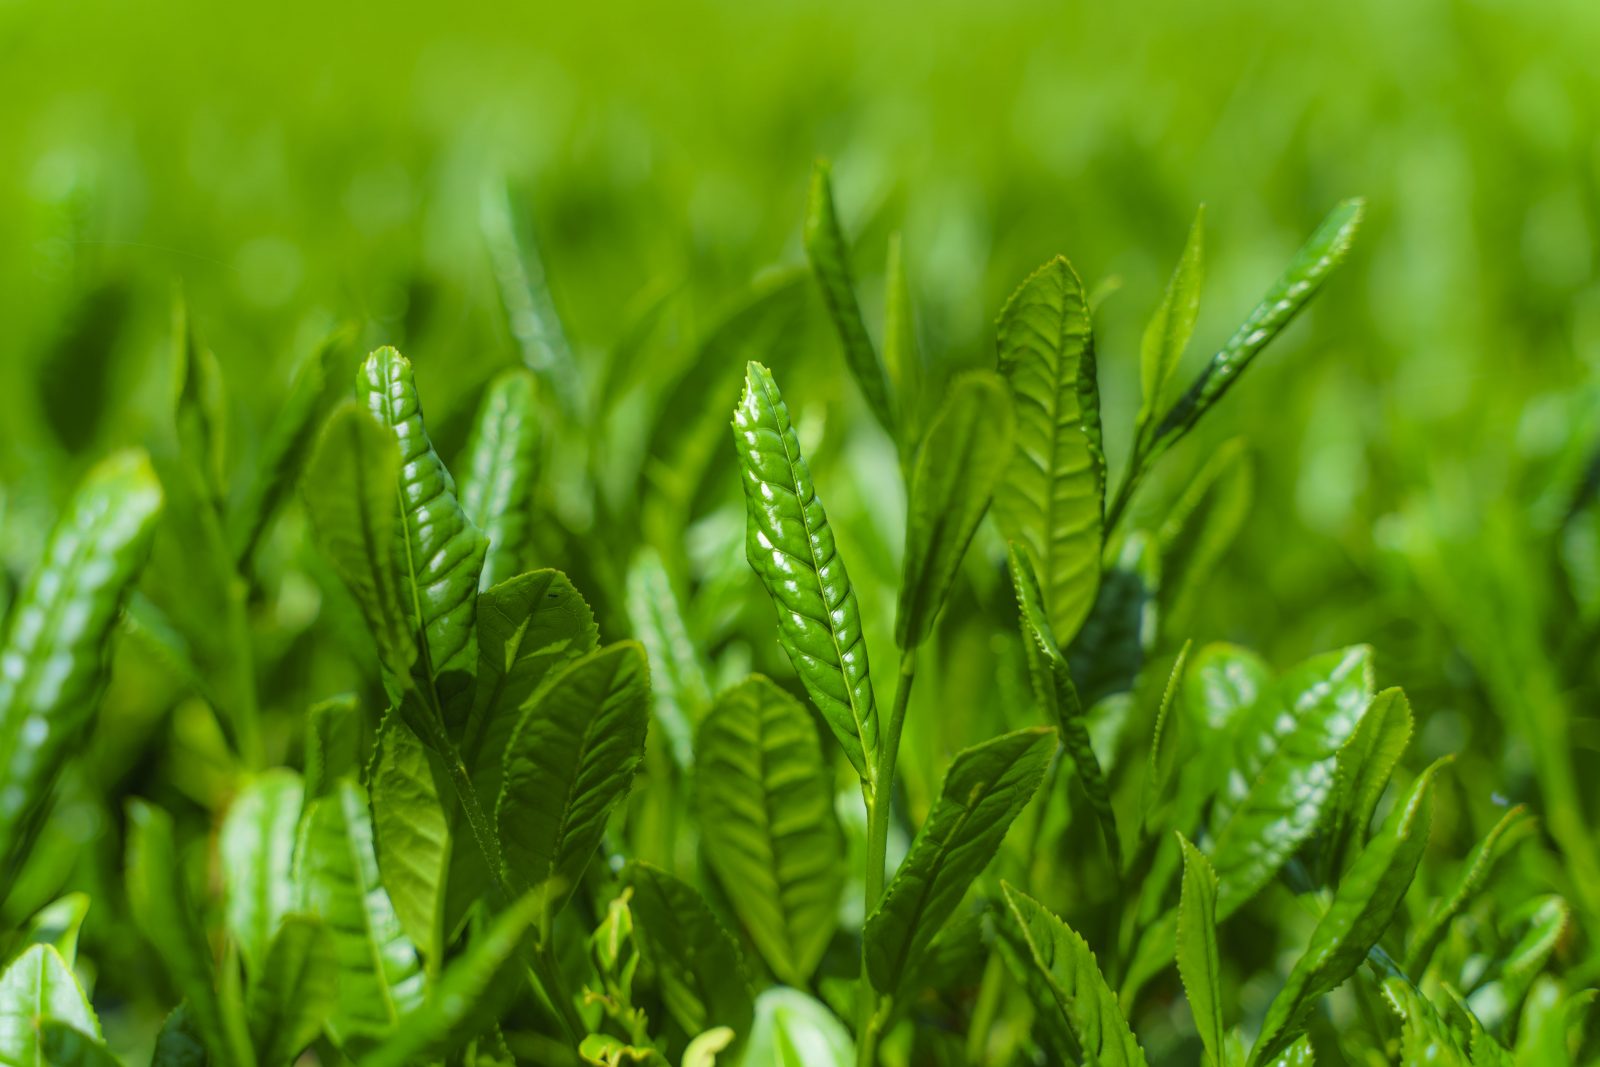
x=1513, y=826
x=1164, y=742
x=967, y=448
x=1171, y=326
x=767, y=824
x=52, y=665
x=58, y=924
x=1198, y=963
x=411, y=831
x=697, y=967
x=830, y=263
x=1052, y=498
x=256, y=847
x=1363, y=768
x=986, y=788
x=1363, y=907
x=502, y=464
x=680, y=688
x=1066, y=980
x=570, y=760
x=901, y=358
x=294, y=993
x=39, y=985
x=791, y=547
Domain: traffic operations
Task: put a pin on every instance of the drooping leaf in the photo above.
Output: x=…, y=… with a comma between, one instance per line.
x=256, y=847
x=1171, y=326
x=350, y=498
x=569, y=761
x=830, y=264
x=1198, y=962
x=1285, y=755
x=967, y=448
x=767, y=824
x=696, y=963
x=294, y=993
x=336, y=870
x=1067, y=983
x=791, y=547
x=64, y=1045
x=161, y=908
x=1363, y=907
x=39, y=985
x=411, y=831
x=57, y=638
x=985, y=789
x=679, y=683
x=1363, y=768
x=440, y=552
x=502, y=465
x=1300, y=281
x=1052, y=498
x=1513, y=826
x=902, y=359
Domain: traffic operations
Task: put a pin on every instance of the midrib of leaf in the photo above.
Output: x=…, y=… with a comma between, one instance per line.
x=868, y=756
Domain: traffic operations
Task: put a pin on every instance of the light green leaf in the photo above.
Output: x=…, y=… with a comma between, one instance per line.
x=1363, y=907
x=985, y=789
x=680, y=688
x=767, y=824
x=1200, y=528
x=901, y=358
x=411, y=831
x=1052, y=498
x=1286, y=751
x=702, y=1049
x=1164, y=742
x=570, y=759
x=161, y=908
x=502, y=465
x=1542, y=1034
x=1515, y=825
x=1300, y=281
x=58, y=635
x=1224, y=682
x=337, y=873
x=830, y=263
x=350, y=498
x=1426, y=1040
x=1058, y=697
x=295, y=991
x=791, y=547
x=696, y=963
x=1067, y=984
x=1171, y=326
x=63, y=1045
x=1198, y=963
x=469, y=995
x=256, y=848
x=439, y=552
x=793, y=1029
x=1363, y=769
x=959, y=463
x=58, y=924
x=604, y=1050
x=39, y=985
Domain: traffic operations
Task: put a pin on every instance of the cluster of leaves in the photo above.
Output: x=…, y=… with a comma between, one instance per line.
x=515, y=843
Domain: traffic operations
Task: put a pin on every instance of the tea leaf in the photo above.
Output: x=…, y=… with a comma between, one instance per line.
x=901, y=358
x=1052, y=498
x=39, y=985
x=1513, y=826
x=1198, y=963
x=1201, y=527
x=177, y=1044
x=960, y=461
x=256, y=847
x=769, y=831
x=333, y=744
x=1363, y=768
x=1113, y=642
x=502, y=465
x=1171, y=326
x=58, y=925
x=696, y=964
x=792, y=1029
x=680, y=688
x=411, y=834
x=1163, y=742
x=295, y=991
x=67, y=1046
x=985, y=789
x=791, y=547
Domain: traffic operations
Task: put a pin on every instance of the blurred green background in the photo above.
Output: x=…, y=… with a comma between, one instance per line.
x=1419, y=439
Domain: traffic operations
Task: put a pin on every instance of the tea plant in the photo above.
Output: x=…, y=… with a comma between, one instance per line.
x=511, y=841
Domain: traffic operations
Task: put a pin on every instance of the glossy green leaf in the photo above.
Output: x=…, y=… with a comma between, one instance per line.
x=1198, y=963
x=984, y=791
x=1066, y=980
x=1170, y=328
x=967, y=448
x=767, y=824
x=1515, y=825
x=1223, y=683
x=1058, y=697
x=501, y=468
x=902, y=359
x=38, y=985
x=791, y=547
x=440, y=552
x=350, y=498
x=256, y=847
x=1052, y=498
x=679, y=686
x=571, y=758
x=58, y=924
x=1426, y=1040
x=63, y=1045
x=161, y=908
x=1364, y=905
x=1285, y=755
x=411, y=832
x=830, y=264
x=1200, y=528
x=57, y=638
x=696, y=963
x=1363, y=769
x=295, y=991
x=468, y=997
x=336, y=870
x=1300, y=281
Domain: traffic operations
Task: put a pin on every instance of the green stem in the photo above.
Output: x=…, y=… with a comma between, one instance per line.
x=880, y=799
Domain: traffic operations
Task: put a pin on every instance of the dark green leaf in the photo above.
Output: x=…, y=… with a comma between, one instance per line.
x=294, y=993
x=1111, y=646
x=1513, y=826
x=502, y=464
x=64, y=1045
x=256, y=847
x=333, y=744
x=1198, y=962
x=178, y=1043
